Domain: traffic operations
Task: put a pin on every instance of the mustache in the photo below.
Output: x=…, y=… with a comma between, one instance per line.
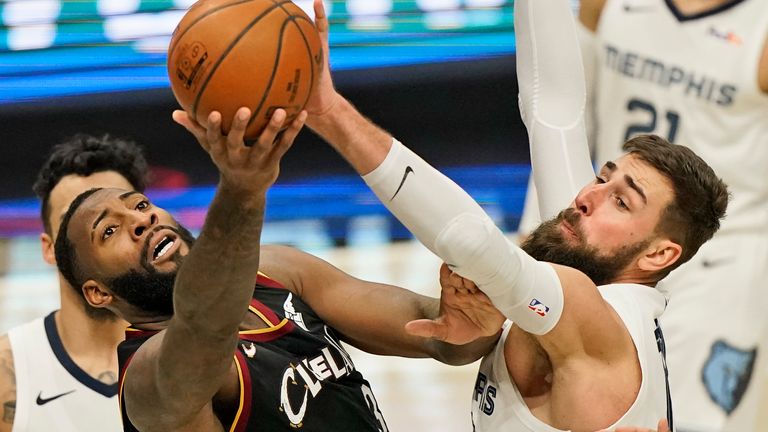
x=573, y=218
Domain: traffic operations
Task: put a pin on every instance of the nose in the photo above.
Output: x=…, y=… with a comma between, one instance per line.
x=142, y=221
x=588, y=198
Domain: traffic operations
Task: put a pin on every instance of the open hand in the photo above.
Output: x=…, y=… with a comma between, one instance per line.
x=466, y=313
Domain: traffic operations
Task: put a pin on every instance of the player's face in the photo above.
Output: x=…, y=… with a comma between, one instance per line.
x=621, y=207
x=610, y=223
x=131, y=246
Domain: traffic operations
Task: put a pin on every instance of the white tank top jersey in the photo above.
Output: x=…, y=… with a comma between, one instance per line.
x=498, y=406
x=693, y=80
x=52, y=392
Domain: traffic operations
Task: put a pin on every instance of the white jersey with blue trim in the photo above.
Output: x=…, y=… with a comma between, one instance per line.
x=693, y=80
x=52, y=392
x=497, y=404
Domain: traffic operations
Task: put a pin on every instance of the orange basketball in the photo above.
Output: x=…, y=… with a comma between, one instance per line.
x=260, y=54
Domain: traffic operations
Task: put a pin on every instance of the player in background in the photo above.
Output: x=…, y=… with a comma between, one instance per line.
x=56, y=369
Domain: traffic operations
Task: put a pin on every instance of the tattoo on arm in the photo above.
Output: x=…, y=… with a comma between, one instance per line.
x=9, y=411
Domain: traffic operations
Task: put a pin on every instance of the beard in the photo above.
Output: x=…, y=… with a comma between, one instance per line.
x=547, y=243
x=147, y=289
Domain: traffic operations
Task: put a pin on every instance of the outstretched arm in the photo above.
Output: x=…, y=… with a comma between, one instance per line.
x=373, y=316
x=193, y=356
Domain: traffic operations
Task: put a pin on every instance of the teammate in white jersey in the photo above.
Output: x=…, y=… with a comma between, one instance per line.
x=576, y=357
x=696, y=72
x=60, y=373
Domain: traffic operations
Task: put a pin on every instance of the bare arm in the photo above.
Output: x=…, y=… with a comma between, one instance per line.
x=193, y=356
x=373, y=316
x=7, y=385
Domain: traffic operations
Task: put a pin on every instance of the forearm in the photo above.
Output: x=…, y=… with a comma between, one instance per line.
x=552, y=101
x=215, y=284
x=363, y=144
x=452, y=225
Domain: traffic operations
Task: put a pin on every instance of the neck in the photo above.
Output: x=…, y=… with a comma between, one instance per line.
x=91, y=343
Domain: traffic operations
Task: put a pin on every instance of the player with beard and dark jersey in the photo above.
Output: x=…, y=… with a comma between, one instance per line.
x=209, y=352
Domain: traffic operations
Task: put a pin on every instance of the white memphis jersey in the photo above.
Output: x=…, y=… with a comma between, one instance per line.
x=693, y=80
x=498, y=406
x=52, y=392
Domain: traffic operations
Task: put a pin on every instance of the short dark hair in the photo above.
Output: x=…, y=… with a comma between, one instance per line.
x=700, y=197
x=66, y=253
x=84, y=155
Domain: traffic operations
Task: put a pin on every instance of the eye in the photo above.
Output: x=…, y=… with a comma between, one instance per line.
x=620, y=202
x=599, y=180
x=142, y=205
x=108, y=231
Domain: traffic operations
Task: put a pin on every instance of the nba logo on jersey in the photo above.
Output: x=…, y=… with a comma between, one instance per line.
x=538, y=307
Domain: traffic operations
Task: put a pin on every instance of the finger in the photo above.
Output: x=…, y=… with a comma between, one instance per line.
x=270, y=132
x=213, y=132
x=237, y=131
x=468, y=285
x=321, y=20
x=425, y=328
x=289, y=135
x=182, y=118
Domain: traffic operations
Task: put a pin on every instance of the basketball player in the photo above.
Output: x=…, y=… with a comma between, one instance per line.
x=207, y=351
x=575, y=356
x=57, y=368
x=699, y=77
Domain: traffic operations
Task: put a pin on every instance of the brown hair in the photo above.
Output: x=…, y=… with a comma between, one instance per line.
x=700, y=196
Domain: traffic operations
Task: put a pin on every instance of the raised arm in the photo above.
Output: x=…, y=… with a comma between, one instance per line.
x=193, y=357
x=552, y=101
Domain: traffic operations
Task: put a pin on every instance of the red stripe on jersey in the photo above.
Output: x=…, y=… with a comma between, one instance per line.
x=266, y=281
x=241, y=422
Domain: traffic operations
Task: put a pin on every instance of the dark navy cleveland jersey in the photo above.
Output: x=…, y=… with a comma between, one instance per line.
x=295, y=375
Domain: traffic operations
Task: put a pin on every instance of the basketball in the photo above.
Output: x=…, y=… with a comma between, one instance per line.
x=260, y=54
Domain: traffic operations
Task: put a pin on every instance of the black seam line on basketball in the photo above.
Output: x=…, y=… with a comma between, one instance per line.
x=172, y=48
x=265, y=93
x=309, y=51
x=226, y=52
x=290, y=19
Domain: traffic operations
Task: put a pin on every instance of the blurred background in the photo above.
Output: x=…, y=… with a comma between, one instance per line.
x=438, y=74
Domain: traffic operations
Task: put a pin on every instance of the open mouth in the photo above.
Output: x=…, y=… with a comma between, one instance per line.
x=163, y=245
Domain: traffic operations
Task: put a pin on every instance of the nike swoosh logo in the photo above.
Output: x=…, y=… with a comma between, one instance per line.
x=408, y=170
x=42, y=401
x=715, y=263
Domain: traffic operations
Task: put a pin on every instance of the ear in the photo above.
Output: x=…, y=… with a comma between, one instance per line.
x=660, y=254
x=96, y=294
x=47, y=246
